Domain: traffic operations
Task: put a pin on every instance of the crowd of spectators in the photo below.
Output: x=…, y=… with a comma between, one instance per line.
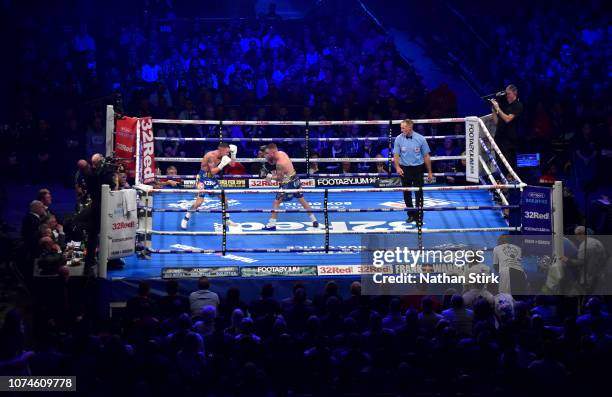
x=203, y=344
x=324, y=66
x=559, y=57
x=329, y=65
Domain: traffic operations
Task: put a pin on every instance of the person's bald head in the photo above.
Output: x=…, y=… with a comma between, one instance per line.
x=82, y=164
x=38, y=208
x=96, y=160
x=580, y=231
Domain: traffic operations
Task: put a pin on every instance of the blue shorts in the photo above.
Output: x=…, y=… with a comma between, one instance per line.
x=294, y=183
x=209, y=182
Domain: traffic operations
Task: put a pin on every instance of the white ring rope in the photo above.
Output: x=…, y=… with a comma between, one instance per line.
x=322, y=231
x=499, y=152
x=147, y=188
x=303, y=160
x=304, y=123
x=284, y=139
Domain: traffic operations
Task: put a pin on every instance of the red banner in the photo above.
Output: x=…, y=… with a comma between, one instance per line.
x=125, y=143
x=148, y=150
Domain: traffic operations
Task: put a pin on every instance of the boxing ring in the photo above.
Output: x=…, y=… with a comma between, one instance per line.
x=455, y=217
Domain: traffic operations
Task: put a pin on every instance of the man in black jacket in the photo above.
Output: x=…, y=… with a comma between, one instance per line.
x=31, y=223
x=506, y=116
x=98, y=174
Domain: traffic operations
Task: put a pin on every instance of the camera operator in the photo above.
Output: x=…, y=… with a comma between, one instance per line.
x=101, y=172
x=506, y=117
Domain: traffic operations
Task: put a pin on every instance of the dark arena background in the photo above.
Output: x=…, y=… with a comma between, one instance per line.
x=306, y=198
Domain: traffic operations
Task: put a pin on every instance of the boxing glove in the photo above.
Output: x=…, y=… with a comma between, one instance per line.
x=233, y=151
x=224, y=161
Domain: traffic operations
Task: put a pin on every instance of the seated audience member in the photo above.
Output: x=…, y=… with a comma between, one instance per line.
x=140, y=303
x=428, y=318
x=447, y=149
x=346, y=167
x=172, y=303
x=30, y=224
x=202, y=297
x=171, y=171
x=380, y=166
x=44, y=231
x=234, y=325
x=314, y=166
x=44, y=196
x=459, y=317
x=57, y=230
x=51, y=260
x=394, y=318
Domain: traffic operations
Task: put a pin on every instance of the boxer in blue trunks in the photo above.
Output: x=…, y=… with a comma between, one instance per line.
x=287, y=179
x=212, y=164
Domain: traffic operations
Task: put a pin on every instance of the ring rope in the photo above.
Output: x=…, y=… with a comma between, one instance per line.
x=493, y=161
x=338, y=210
x=293, y=139
x=322, y=231
x=282, y=250
x=303, y=123
x=499, y=152
x=147, y=188
x=300, y=160
x=492, y=180
x=341, y=175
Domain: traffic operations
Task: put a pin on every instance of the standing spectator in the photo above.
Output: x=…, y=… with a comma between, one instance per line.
x=80, y=182
x=589, y=263
x=202, y=297
x=507, y=261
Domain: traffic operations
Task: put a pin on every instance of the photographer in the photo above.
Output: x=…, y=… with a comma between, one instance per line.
x=506, y=117
x=101, y=172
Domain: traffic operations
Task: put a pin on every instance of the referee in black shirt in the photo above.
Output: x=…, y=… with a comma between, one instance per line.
x=506, y=117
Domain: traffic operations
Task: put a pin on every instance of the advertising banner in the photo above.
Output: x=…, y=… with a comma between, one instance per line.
x=472, y=150
x=125, y=143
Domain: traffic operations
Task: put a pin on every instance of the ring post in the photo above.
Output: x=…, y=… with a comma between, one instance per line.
x=104, y=237
x=557, y=198
x=220, y=131
x=110, y=129
x=326, y=218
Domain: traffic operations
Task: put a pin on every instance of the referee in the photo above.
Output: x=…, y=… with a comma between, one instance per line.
x=410, y=153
